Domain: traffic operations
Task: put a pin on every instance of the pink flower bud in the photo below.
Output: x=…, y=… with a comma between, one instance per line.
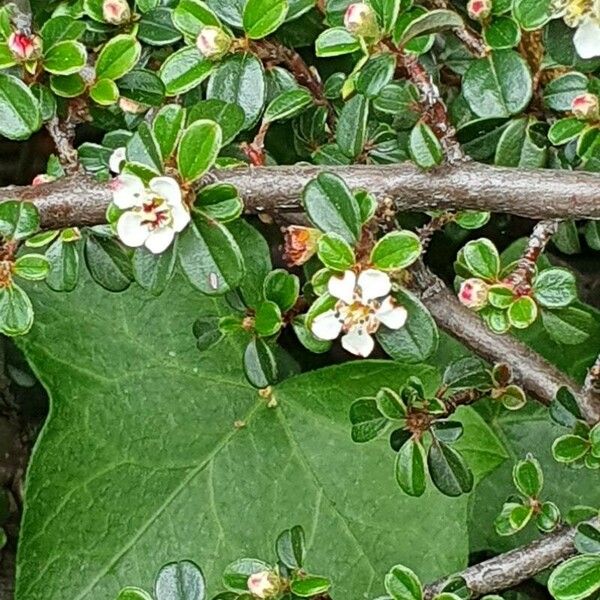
x=25, y=47
x=41, y=179
x=586, y=106
x=473, y=293
x=300, y=244
x=360, y=19
x=116, y=12
x=213, y=43
x=263, y=585
x=479, y=10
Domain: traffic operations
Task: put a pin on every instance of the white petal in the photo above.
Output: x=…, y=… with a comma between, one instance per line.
x=374, y=284
x=358, y=342
x=181, y=217
x=326, y=326
x=116, y=160
x=167, y=188
x=343, y=287
x=587, y=39
x=390, y=315
x=128, y=191
x=160, y=239
x=130, y=229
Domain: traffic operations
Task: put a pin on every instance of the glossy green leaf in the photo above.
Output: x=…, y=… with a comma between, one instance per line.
x=528, y=477
x=576, y=578
x=309, y=586
x=19, y=110
x=555, y=288
x=448, y=469
x=411, y=471
x=424, y=147
x=396, y=250
x=335, y=253
x=199, y=147
x=18, y=220
x=184, y=70
x=288, y=104
x=117, y=57
x=180, y=581
x=262, y=17
x=431, y=22
x=65, y=58
x=336, y=41
x=16, y=311
x=351, y=132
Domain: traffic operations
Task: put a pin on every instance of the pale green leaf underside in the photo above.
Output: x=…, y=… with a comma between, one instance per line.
x=140, y=462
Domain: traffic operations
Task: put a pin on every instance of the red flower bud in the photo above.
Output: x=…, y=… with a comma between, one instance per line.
x=25, y=47
x=586, y=106
x=473, y=293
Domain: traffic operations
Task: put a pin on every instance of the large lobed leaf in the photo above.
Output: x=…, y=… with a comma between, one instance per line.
x=141, y=461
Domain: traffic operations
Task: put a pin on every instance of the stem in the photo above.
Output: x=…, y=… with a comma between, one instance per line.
x=63, y=136
x=512, y=568
x=79, y=200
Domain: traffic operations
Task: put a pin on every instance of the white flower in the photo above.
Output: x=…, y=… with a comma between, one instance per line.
x=585, y=16
x=153, y=215
x=363, y=304
x=116, y=160
x=263, y=584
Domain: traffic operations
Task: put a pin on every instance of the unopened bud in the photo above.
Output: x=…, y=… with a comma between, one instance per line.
x=25, y=47
x=263, y=585
x=360, y=19
x=41, y=179
x=479, y=10
x=213, y=43
x=116, y=12
x=473, y=293
x=586, y=106
x=300, y=244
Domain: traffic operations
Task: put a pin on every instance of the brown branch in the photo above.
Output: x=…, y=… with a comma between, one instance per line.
x=512, y=568
x=536, y=194
x=63, y=136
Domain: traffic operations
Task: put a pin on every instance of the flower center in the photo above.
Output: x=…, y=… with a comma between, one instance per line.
x=157, y=213
x=357, y=316
x=574, y=11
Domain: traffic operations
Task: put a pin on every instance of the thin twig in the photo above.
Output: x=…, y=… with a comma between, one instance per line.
x=63, y=136
x=512, y=568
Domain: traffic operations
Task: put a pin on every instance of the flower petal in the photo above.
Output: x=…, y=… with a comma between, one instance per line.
x=390, y=315
x=374, y=284
x=587, y=39
x=326, y=326
x=343, y=287
x=160, y=239
x=181, y=217
x=116, y=160
x=130, y=229
x=167, y=188
x=359, y=342
x=128, y=191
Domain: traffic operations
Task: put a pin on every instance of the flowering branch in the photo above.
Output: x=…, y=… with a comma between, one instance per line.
x=512, y=568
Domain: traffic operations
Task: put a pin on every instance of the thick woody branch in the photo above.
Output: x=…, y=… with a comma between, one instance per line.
x=536, y=194
x=512, y=568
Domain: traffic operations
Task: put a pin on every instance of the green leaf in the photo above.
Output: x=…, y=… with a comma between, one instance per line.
x=396, y=250
x=105, y=92
x=191, y=16
x=587, y=539
x=519, y=517
x=143, y=148
x=465, y=373
x=64, y=266
x=418, y=339
x=410, y=473
x=32, y=266
x=260, y=364
x=528, y=477
x=402, y=584
x=16, y=311
x=262, y=17
x=390, y=404
x=168, y=127
x=448, y=469
x=569, y=448
x=133, y=593
x=555, y=288
x=60, y=29
x=220, y=201
x=431, y=22
x=533, y=14
x=184, y=70
x=336, y=41
x=522, y=312
x=153, y=272
x=482, y=259
x=351, y=133
x=576, y=578
x=239, y=79
x=564, y=408
x=19, y=110
x=156, y=28
x=68, y=86
x=267, y=320
x=180, y=581
x=502, y=33
x=367, y=420
x=291, y=547
x=108, y=263
x=335, y=253
x=375, y=75
x=229, y=116
x=332, y=207
x=565, y=130
x=117, y=57
x=198, y=149
x=309, y=586
x=18, y=220
x=548, y=519
x=521, y=145
x=560, y=92
x=209, y=256
x=65, y=58
x=142, y=86
x=283, y=288
x=424, y=147
x=499, y=85
x=288, y=104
